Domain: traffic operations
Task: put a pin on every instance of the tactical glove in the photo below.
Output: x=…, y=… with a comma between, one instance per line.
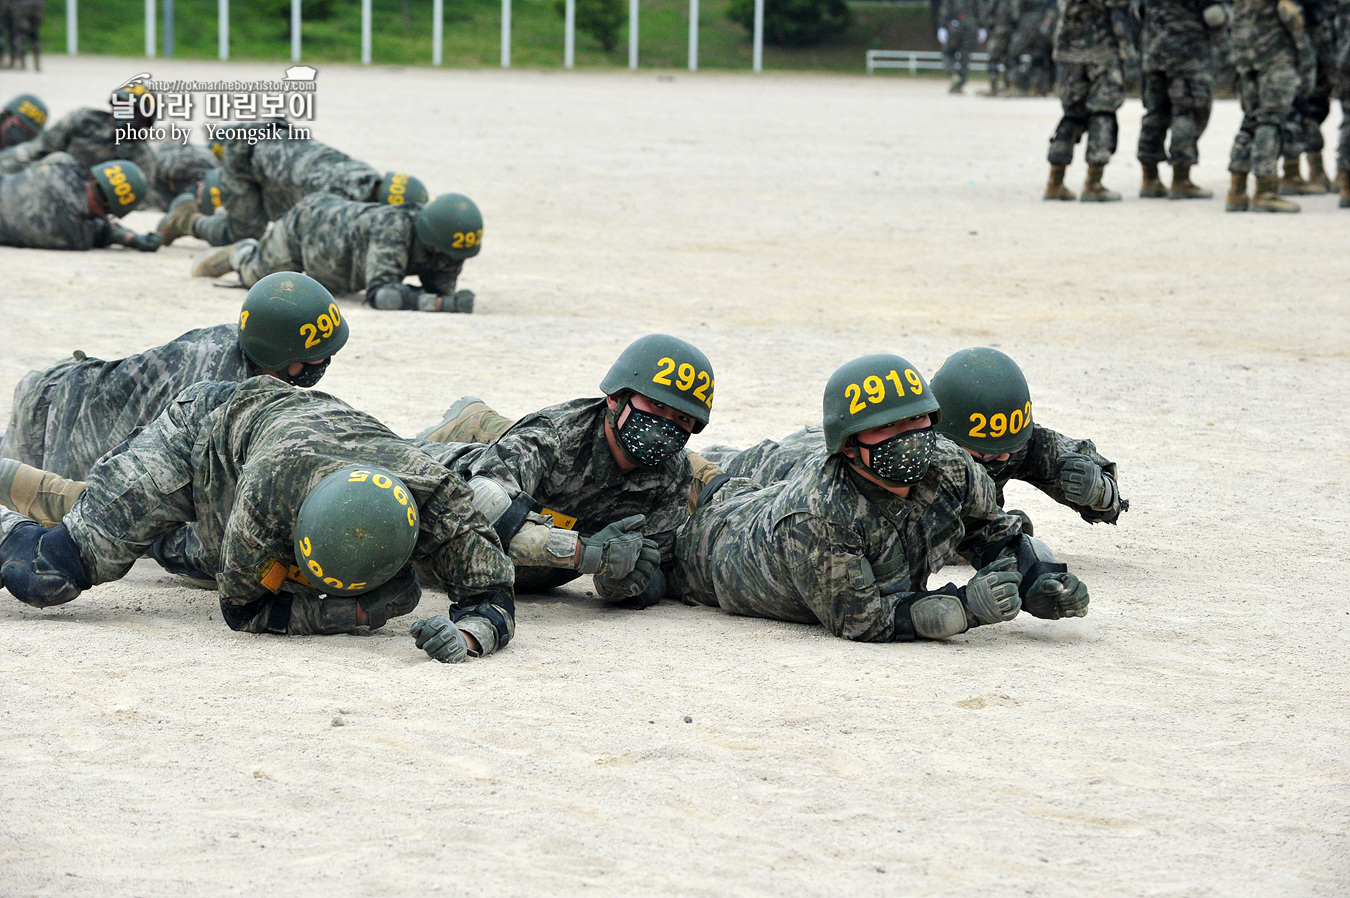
x=461, y=301
x=1057, y=595
x=991, y=595
x=615, y=550
x=145, y=243
x=1085, y=483
x=41, y=567
x=635, y=583
x=441, y=639
x=394, y=598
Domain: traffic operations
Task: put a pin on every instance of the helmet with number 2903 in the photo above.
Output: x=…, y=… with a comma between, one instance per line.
x=874, y=391
x=122, y=185
x=356, y=529
x=985, y=402
x=289, y=317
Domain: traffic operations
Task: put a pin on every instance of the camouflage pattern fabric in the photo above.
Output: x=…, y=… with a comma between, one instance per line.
x=66, y=417
x=1303, y=128
x=350, y=247
x=1032, y=46
x=261, y=183
x=46, y=206
x=1177, y=86
x=1084, y=33
x=961, y=18
x=1090, y=94
x=998, y=18
x=87, y=135
x=1266, y=56
x=239, y=459
x=1176, y=38
x=559, y=457
x=826, y=546
x=178, y=168
x=1341, y=80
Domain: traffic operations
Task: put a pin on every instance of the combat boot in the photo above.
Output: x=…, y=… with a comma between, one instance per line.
x=704, y=473
x=179, y=220
x=1268, y=199
x=1183, y=189
x=958, y=86
x=1237, y=193
x=468, y=420
x=1292, y=183
x=213, y=263
x=1343, y=182
x=1152, y=186
x=1054, y=188
x=1094, y=191
x=1317, y=175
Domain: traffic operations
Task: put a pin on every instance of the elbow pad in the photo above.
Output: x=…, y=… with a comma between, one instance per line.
x=393, y=296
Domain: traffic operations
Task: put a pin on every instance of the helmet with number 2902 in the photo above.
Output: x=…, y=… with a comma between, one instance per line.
x=985, y=401
x=356, y=529
x=289, y=317
x=668, y=370
x=874, y=391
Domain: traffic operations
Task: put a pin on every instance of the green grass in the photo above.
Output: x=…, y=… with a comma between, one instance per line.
x=472, y=34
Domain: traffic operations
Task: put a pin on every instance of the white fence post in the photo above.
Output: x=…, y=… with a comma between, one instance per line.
x=569, y=34
x=759, y=36
x=506, y=34
x=223, y=28
x=437, y=30
x=168, y=29
x=72, y=27
x=693, y=35
x=365, y=32
x=150, y=29
x=632, y=33
x=295, y=30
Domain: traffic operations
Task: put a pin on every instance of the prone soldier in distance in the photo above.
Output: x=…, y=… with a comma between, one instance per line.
x=367, y=248
x=90, y=135
x=179, y=168
x=22, y=120
x=60, y=204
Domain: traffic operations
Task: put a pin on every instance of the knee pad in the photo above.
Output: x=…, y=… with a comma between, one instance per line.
x=938, y=617
x=42, y=567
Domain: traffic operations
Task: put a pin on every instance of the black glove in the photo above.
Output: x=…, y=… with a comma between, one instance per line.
x=441, y=639
x=146, y=243
x=634, y=583
x=395, y=597
x=991, y=595
x=1056, y=595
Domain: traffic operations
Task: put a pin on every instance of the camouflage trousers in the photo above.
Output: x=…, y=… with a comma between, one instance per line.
x=1179, y=102
x=1033, y=58
x=1302, y=132
x=1090, y=94
x=1267, y=95
x=1343, y=144
x=278, y=250
x=956, y=53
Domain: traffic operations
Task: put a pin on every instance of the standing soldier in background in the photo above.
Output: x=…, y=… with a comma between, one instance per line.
x=1342, y=83
x=22, y=120
x=958, y=32
x=1032, y=47
x=1092, y=41
x=998, y=17
x=90, y=135
x=1272, y=54
x=23, y=23
x=60, y=204
x=1177, y=90
x=1303, y=128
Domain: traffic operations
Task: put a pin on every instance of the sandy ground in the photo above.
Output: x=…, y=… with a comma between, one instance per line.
x=1188, y=738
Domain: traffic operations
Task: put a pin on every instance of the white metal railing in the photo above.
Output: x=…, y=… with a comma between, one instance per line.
x=915, y=61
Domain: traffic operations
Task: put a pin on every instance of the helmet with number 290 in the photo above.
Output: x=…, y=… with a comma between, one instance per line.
x=668, y=370
x=451, y=224
x=874, y=391
x=985, y=401
x=289, y=317
x=356, y=529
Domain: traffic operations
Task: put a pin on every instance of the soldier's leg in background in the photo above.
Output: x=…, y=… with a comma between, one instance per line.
x=1192, y=98
x=1343, y=153
x=1277, y=85
x=1106, y=94
x=1240, y=157
x=1072, y=85
x=1291, y=148
x=1316, y=109
x=40, y=495
x=1153, y=90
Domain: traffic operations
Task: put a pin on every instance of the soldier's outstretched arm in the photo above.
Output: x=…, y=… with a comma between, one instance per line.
x=1073, y=473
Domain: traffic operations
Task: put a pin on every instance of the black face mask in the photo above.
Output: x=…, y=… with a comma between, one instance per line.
x=649, y=439
x=902, y=459
x=309, y=375
x=12, y=133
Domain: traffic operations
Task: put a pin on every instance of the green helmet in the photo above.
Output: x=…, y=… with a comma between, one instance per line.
x=452, y=224
x=30, y=109
x=209, y=196
x=666, y=369
x=985, y=400
x=132, y=97
x=874, y=391
x=356, y=529
x=397, y=188
x=122, y=185
x=289, y=317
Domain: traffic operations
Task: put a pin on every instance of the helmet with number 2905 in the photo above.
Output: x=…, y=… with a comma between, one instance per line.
x=874, y=391
x=985, y=401
x=289, y=317
x=668, y=370
x=356, y=529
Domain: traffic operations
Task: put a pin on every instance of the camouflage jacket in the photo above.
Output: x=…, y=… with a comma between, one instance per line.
x=46, y=206
x=1036, y=462
x=1084, y=32
x=178, y=168
x=960, y=14
x=239, y=460
x=260, y=183
x=826, y=546
x=1176, y=38
x=1259, y=37
x=353, y=247
x=67, y=416
x=559, y=457
x=87, y=135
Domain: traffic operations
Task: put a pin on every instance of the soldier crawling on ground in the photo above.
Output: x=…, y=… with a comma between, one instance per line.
x=59, y=203
x=90, y=135
x=22, y=120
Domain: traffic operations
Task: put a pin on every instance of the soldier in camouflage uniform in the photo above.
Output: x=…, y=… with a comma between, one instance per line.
x=1177, y=90
x=264, y=179
x=241, y=462
x=66, y=417
x=1341, y=81
x=22, y=120
x=850, y=538
x=23, y=22
x=1092, y=41
x=1272, y=54
x=90, y=135
x=1032, y=47
x=179, y=167
x=368, y=248
x=958, y=34
x=998, y=17
x=1302, y=130
x=61, y=204
x=576, y=478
